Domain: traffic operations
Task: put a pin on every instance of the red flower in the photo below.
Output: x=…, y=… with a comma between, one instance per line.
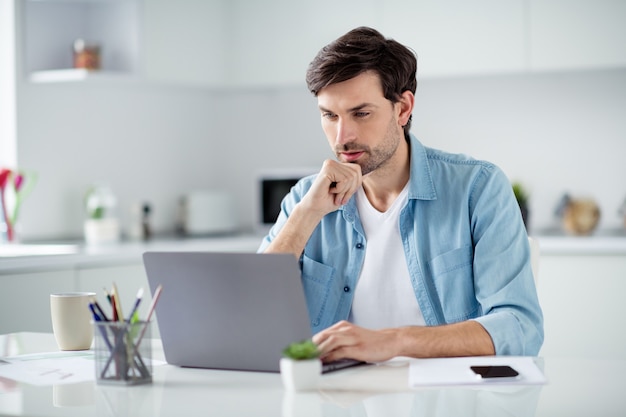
x=18, y=181
x=4, y=177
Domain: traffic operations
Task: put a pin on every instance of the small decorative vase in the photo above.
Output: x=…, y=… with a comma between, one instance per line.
x=8, y=233
x=581, y=216
x=98, y=231
x=300, y=375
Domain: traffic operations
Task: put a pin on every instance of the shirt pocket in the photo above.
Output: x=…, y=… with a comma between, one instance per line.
x=453, y=278
x=317, y=281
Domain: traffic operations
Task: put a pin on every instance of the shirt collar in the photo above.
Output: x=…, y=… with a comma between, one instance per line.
x=421, y=186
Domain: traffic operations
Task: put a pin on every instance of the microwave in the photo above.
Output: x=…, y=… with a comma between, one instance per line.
x=273, y=186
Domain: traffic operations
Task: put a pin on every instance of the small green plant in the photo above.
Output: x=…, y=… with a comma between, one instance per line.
x=303, y=350
x=99, y=201
x=92, y=204
x=522, y=197
x=520, y=194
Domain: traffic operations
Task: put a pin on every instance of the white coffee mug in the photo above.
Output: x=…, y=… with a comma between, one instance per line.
x=71, y=320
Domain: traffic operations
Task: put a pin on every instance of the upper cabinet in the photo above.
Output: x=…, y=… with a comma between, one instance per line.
x=188, y=41
x=274, y=41
x=241, y=43
x=78, y=39
x=577, y=34
x=459, y=37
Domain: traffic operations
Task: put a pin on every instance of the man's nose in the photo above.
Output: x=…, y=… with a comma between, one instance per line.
x=346, y=132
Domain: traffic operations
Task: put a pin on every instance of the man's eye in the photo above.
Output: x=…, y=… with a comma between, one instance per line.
x=328, y=115
x=361, y=114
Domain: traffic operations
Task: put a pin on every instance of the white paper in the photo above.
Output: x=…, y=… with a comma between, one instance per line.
x=53, y=368
x=456, y=371
x=50, y=368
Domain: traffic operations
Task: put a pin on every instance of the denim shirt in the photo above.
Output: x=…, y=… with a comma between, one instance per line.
x=464, y=240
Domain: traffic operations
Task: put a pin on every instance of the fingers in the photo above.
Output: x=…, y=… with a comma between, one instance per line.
x=344, y=180
x=334, y=186
x=347, y=340
x=335, y=342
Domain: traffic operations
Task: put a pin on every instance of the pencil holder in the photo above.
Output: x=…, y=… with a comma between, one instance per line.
x=122, y=353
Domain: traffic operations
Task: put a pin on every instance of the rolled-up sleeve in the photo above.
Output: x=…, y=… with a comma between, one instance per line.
x=503, y=278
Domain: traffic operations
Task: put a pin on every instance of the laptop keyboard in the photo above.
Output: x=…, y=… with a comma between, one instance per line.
x=339, y=364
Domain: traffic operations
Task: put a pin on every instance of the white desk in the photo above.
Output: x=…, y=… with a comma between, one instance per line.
x=576, y=387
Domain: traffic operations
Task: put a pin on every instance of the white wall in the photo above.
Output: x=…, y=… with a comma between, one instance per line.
x=554, y=132
x=149, y=143
x=154, y=141
x=8, y=121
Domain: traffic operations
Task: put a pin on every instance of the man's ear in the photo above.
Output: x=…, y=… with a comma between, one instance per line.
x=406, y=102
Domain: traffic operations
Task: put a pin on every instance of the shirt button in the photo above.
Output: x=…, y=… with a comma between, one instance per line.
x=359, y=246
x=346, y=289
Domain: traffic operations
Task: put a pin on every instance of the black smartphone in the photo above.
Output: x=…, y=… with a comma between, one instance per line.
x=495, y=372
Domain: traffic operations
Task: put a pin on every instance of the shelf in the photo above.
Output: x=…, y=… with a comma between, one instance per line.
x=74, y=75
x=50, y=28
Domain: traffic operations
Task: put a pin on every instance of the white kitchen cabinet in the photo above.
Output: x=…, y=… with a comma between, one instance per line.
x=187, y=42
x=582, y=297
x=226, y=44
x=128, y=279
x=273, y=42
x=577, y=34
x=459, y=38
x=25, y=299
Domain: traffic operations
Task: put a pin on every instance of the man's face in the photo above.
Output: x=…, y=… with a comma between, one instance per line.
x=361, y=125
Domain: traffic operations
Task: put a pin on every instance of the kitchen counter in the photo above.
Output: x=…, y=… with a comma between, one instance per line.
x=30, y=272
x=601, y=242
x=56, y=255
x=582, y=245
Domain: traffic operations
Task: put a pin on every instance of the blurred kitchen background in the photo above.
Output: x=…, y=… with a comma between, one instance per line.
x=207, y=94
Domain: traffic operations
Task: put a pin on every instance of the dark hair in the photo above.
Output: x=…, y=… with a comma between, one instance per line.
x=365, y=49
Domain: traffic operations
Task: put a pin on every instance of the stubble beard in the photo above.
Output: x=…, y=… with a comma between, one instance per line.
x=379, y=156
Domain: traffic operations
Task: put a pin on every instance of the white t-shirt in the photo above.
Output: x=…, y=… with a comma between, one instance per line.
x=384, y=295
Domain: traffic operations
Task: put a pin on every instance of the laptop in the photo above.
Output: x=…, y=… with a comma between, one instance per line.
x=234, y=311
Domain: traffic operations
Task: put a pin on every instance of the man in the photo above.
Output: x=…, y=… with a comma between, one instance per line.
x=404, y=250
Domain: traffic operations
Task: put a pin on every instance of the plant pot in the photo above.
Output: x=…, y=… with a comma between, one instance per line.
x=300, y=375
x=98, y=231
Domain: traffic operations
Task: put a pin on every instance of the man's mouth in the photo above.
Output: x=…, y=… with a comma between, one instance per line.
x=351, y=156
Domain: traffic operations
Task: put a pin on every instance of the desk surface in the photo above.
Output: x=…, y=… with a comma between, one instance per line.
x=576, y=387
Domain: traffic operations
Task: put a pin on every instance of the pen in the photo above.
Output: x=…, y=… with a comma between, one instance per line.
x=95, y=315
x=106, y=292
x=135, y=307
x=97, y=318
x=114, y=308
x=99, y=309
x=115, y=295
x=131, y=352
x=155, y=298
x=108, y=296
x=157, y=294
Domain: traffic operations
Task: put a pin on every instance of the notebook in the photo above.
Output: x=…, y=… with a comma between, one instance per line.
x=232, y=311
